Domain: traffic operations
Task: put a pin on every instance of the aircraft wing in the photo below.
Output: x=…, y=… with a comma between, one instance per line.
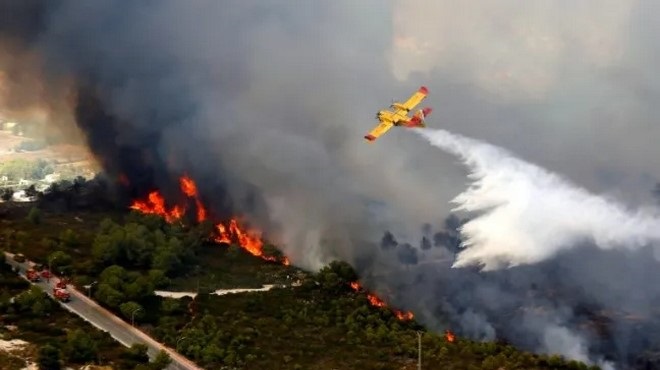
x=416, y=98
x=382, y=128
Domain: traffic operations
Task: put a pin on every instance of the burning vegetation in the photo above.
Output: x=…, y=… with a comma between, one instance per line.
x=333, y=329
x=449, y=336
x=377, y=302
x=225, y=232
x=230, y=232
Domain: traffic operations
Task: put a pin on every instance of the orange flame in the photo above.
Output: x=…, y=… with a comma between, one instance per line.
x=250, y=240
x=155, y=205
x=188, y=186
x=201, y=211
x=449, y=336
x=377, y=302
x=223, y=236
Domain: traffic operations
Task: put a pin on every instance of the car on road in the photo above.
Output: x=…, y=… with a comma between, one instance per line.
x=20, y=258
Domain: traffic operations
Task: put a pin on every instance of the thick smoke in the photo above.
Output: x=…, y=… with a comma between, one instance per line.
x=265, y=104
x=526, y=214
x=569, y=85
x=582, y=278
x=40, y=101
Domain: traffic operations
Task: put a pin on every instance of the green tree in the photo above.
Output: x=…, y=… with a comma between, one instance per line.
x=212, y=353
x=329, y=280
x=132, y=310
x=35, y=301
x=134, y=358
x=34, y=216
x=161, y=361
x=49, y=243
x=166, y=260
x=80, y=347
x=158, y=279
x=171, y=306
x=138, y=244
x=336, y=276
x=139, y=288
x=152, y=222
x=107, y=248
x=59, y=259
x=109, y=295
x=138, y=352
x=49, y=358
x=345, y=271
x=7, y=194
x=114, y=276
x=69, y=238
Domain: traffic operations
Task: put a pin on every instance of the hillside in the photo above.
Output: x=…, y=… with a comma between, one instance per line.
x=35, y=329
x=311, y=320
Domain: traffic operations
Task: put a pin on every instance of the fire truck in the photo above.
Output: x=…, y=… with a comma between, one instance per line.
x=32, y=275
x=61, y=284
x=61, y=294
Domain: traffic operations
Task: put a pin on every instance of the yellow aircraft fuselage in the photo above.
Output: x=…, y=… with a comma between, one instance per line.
x=393, y=117
x=398, y=116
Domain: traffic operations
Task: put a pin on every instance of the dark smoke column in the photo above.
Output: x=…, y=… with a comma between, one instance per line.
x=138, y=89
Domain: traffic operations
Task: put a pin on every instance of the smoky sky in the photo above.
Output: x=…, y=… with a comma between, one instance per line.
x=265, y=96
x=265, y=103
x=568, y=85
x=279, y=95
x=588, y=304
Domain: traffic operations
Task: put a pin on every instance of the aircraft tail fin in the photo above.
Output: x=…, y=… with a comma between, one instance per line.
x=418, y=119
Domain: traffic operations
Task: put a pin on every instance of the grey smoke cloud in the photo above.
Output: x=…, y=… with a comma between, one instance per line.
x=280, y=95
x=568, y=85
x=276, y=96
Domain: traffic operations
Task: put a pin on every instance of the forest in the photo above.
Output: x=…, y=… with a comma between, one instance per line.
x=311, y=319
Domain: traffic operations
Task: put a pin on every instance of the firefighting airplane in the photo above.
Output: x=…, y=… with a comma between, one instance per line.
x=399, y=116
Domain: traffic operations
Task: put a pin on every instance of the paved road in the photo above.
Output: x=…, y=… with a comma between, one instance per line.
x=105, y=320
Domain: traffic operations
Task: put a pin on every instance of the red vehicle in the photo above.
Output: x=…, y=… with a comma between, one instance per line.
x=46, y=274
x=61, y=284
x=61, y=294
x=32, y=275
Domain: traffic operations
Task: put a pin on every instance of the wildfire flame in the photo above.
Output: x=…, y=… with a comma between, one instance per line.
x=155, y=205
x=404, y=316
x=377, y=302
x=250, y=240
x=189, y=188
x=449, y=336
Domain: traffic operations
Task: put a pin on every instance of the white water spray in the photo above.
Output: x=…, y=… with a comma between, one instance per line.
x=525, y=214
